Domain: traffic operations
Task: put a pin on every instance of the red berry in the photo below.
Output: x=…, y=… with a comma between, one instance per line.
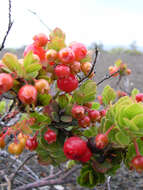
x=79, y=49
x=139, y=97
x=102, y=113
x=86, y=157
x=27, y=94
x=40, y=39
x=62, y=71
x=31, y=143
x=94, y=115
x=101, y=141
x=67, y=84
x=75, y=148
x=66, y=55
x=137, y=163
x=6, y=82
x=84, y=122
x=36, y=50
x=78, y=111
x=50, y=136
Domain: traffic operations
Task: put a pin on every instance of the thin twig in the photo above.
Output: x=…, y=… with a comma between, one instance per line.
x=21, y=165
x=34, y=13
x=10, y=23
x=5, y=154
x=107, y=77
x=50, y=181
x=93, y=66
x=8, y=182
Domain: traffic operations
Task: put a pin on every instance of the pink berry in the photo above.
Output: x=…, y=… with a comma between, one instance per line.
x=79, y=49
x=75, y=148
x=78, y=111
x=139, y=97
x=50, y=136
x=66, y=55
x=62, y=71
x=27, y=94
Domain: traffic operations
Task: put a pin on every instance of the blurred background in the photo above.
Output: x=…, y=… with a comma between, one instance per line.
x=109, y=23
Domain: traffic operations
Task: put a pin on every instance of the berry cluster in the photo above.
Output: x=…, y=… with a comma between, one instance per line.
x=119, y=68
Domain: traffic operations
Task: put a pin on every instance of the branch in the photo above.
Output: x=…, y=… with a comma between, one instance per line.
x=92, y=68
x=10, y=23
x=21, y=165
x=43, y=23
x=59, y=181
x=5, y=154
x=107, y=77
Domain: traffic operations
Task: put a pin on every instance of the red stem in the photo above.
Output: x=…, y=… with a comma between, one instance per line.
x=108, y=131
x=136, y=147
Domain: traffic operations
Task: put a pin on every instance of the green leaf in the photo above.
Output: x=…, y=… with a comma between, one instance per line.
x=63, y=100
x=95, y=106
x=44, y=99
x=29, y=59
x=2, y=106
x=118, y=62
x=57, y=32
x=122, y=138
x=11, y=61
x=108, y=95
x=66, y=118
x=134, y=92
x=41, y=117
x=91, y=132
x=33, y=68
x=86, y=92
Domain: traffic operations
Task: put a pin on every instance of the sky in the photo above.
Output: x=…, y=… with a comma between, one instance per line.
x=111, y=22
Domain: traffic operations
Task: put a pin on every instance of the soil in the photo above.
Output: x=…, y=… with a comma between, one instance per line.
x=124, y=179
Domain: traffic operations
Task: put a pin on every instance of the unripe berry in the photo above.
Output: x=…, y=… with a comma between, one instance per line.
x=62, y=71
x=128, y=71
x=79, y=49
x=101, y=140
x=100, y=99
x=67, y=84
x=6, y=82
x=50, y=136
x=27, y=94
x=74, y=148
x=86, y=67
x=51, y=55
x=66, y=55
x=2, y=143
x=42, y=86
x=112, y=70
x=78, y=111
x=22, y=139
x=15, y=148
x=40, y=39
x=139, y=97
x=84, y=122
x=75, y=67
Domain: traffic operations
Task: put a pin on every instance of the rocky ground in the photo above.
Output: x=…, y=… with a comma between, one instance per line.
x=124, y=179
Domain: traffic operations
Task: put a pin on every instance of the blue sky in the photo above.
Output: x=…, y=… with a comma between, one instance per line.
x=112, y=22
